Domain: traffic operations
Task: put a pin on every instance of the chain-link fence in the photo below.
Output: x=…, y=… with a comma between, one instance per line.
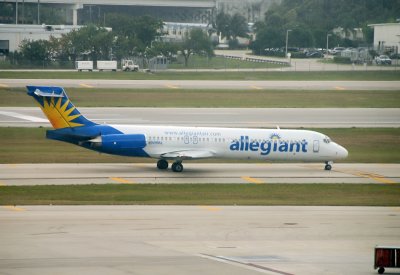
x=220, y=63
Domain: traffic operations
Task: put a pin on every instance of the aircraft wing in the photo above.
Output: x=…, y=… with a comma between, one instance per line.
x=188, y=154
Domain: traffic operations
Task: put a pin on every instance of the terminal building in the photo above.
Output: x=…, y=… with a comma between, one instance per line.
x=386, y=37
x=25, y=21
x=11, y=36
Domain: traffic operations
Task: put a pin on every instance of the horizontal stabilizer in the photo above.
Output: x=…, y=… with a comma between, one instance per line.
x=46, y=91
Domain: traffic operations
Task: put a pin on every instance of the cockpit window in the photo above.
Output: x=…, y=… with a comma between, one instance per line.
x=327, y=139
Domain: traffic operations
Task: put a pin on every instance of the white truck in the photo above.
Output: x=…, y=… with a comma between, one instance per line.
x=84, y=65
x=107, y=65
x=128, y=65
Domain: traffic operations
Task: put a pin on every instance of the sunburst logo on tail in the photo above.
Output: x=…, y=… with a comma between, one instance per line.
x=60, y=112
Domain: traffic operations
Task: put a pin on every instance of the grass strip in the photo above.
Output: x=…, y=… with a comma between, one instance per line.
x=29, y=145
x=199, y=62
x=209, y=75
x=84, y=97
x=204, y=194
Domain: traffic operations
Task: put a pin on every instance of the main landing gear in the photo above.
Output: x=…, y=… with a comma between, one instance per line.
x=162, y=164
x=177, y=166
x=328, y=165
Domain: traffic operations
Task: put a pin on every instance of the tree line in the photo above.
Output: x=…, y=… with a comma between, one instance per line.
x=310, y=21
x=130, y=36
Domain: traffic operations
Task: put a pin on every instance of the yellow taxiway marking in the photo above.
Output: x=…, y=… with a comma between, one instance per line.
x=13, y=208
x=171, y=86
x=376, y=177
x=253, y=180
x=122, y=180
x=340, y=88
x=86, y=85
x=4, y=85
x=255, y=87
x=210, y=208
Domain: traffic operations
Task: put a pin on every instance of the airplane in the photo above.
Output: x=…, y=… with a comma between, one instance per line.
x=178, y=144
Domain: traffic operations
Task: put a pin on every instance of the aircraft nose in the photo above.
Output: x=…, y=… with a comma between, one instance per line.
x=342, y=152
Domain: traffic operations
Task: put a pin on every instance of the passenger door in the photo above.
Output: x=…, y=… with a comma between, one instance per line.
x=316, y=146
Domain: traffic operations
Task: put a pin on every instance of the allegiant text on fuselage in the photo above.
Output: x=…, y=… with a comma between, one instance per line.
x=267, y=146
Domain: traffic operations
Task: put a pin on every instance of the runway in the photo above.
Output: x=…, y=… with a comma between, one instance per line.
x=199, y=173
x=218, y=117
x=206, y=84
x=204, y=240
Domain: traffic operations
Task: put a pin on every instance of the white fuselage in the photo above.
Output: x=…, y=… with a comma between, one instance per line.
x=237, y=143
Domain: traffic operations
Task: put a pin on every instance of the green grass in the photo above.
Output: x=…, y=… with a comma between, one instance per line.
x=204, y=194
x=29, y=145
x=213, y=75
x=84, y=97
x=197, y=62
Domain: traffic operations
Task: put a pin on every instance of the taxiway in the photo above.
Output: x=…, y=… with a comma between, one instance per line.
x=218, y=117
x=202, y=173
x=206, y=84
x=226, y=240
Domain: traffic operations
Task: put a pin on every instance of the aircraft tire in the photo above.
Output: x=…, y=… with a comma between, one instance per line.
x=177, y=167
x=328, y=167
x=162, y=164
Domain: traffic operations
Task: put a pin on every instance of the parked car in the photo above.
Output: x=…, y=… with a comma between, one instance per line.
x=314, y=54
x=383, y=60
x=337, y=50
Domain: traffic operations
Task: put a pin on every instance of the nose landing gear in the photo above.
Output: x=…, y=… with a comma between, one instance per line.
x=328, y=165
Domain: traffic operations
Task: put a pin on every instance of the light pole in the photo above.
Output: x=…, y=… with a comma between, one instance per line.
x=327, y=42
x=16, y=12
x=38, y=12
x=287, y=38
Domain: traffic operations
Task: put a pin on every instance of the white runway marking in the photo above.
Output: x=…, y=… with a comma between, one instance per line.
x=24, y=117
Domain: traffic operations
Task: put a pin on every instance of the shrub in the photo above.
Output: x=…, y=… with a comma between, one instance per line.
x=342, y=60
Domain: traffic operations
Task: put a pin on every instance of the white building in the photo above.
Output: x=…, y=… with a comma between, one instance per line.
x=386, y=37
x=252, y=10
x=76, y=5
x=12, y=35
x=176, y=32
x=351, y=34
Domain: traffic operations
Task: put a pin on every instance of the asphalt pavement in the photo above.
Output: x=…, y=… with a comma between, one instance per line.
x=200, y=173
x=204, y=240
x=205, y=84
x=218, y=117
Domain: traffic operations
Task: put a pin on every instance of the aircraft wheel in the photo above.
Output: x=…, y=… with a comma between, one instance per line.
x=328, y=167
x=177, y=167
x=162, y=164
x=381, y=270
